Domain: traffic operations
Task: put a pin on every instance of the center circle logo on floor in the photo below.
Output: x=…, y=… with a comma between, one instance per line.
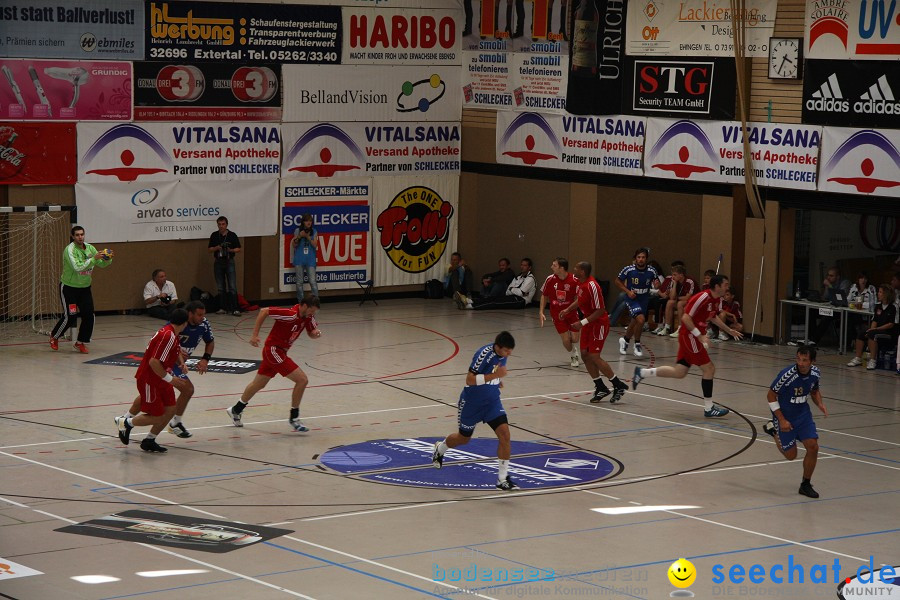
x=407, y=462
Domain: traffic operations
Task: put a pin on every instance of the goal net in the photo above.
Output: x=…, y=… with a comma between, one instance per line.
x=31, y=245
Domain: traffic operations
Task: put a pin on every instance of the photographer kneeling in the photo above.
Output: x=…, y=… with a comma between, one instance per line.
x=160, y=296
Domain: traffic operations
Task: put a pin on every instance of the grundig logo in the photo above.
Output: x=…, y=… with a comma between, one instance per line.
x=162, y=26
x=414, y=229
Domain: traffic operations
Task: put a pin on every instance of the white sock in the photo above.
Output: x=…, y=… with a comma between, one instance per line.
x=575, y=352
x=504, y=468
x=128, y=414
x=468, y=303
x=648, y=372
x=151, y=436
x=708, y=403
x=442, y=447
x=175, y=420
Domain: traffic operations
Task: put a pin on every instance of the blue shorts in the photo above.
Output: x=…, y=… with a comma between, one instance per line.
x=176, y=372
x=638, y=306
x=802, y=428
x=473, y=410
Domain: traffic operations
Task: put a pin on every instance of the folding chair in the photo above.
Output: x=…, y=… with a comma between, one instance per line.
x=367, y=291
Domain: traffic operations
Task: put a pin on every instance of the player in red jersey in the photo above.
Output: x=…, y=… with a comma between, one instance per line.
x=289, y=324
x=561, y=288
x=156, y=384
x=693, y=342
x=594, y=329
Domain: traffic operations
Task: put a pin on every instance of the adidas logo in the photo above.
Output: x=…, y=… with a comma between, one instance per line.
x=878, y=100
x=829, y=97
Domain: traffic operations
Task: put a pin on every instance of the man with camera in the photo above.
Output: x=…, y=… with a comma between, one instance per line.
x=160, y=296
x=305, y=243
x=224, y=244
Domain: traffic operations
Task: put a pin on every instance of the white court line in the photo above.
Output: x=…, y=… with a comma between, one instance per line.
x=188, y=507
x=378, y=510
x=231, y=572
x=48, y=443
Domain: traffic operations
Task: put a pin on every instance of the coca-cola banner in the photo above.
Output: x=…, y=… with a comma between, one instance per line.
x=515, y=26
x=597, y=74
x=65, y=90
x=42, y=153
x=414, y=228
x=341, y=219
x=401, y=36
x=166, y=91
x=699, y=28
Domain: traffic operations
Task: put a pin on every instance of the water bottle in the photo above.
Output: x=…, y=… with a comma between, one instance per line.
x=797, y=291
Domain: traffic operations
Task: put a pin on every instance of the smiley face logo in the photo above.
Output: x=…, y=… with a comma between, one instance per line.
x=682, y=573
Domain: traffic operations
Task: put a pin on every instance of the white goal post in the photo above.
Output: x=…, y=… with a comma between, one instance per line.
x=32, y=239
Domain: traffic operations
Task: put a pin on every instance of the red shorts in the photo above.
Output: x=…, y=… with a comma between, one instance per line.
x=593, y=336
x=564, y=325
x=276, y=362
x=155, y=395
x=690, y=350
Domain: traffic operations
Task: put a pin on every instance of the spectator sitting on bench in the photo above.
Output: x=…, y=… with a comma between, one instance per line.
x=518, y=294
x=160, y=296
x=731, y=314
x=882, y=324
x=494, y=284
x=458, y=277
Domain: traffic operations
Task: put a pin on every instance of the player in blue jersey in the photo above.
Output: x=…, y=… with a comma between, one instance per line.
x=197, y=329
x=636, y=280
x=791, y=416
x=479, y=402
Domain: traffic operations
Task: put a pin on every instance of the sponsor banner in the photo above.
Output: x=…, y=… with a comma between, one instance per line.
x=487, y=80
x=861, y=161
x=65, y=90
x=341, y=217
x=243, y=32
x=177, y=151
x=169, y=210
x=165, y=91
x=700, y=88
x=415, y=228
x=413, y=37
x=698, y=28
x=88, y=29
x=188, y=533
x=597, y=78
x=37, y=153
x=520, y=26
x=355, y=149
x=855, y=29
x=783, y=155
x=597, y=144
x=13, y=570
x=858, y=93
x=230, y=366
x=539, y=81
x=372, y=93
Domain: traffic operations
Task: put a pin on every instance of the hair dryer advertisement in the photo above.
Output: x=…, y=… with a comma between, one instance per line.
x=65, y=90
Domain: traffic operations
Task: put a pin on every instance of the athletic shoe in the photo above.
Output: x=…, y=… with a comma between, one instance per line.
x=716, y=411
x=221, y=311
x=617, y=394
x=54, y=344
x=855, y=362
x=658, y=329
x=298, y=425
x=638, y=350
x=662, y=330
x=636, y=378
x=124, y=429
x=674, y=334
x=179, y=429
x=148, y=445
x=807, y=490
x=600, y=394
x=724, y=336
x=236, y=313
x=236, y=417
x=507, y=485
x=437, y=459
x=623, y=346
x=769, y=427
x=870, y=365
x=574, y=361
x=460, y=299
x=81, y=347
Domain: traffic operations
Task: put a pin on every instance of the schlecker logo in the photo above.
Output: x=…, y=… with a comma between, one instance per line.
x=414, y=228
